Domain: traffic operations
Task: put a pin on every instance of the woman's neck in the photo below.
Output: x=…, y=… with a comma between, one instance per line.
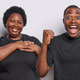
x=14, y=38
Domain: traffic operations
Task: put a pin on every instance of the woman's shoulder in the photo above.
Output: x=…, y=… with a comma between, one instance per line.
x=3, y=37
x=26, y=37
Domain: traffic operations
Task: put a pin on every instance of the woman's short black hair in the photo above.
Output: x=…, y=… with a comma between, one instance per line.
x=14, y=9
x=71, y=6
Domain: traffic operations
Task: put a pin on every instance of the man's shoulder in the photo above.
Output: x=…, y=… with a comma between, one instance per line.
x=61, y=35
x=58, y=37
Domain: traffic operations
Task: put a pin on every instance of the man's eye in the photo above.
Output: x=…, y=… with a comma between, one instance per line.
x=77, y=17
x=68, y=18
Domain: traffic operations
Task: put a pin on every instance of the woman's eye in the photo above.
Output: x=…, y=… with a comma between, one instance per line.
x=20, y=22
x=77, y=17
x=11, y=20
x=68, y=18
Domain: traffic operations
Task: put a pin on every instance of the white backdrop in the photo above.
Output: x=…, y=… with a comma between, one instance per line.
x=41, y=14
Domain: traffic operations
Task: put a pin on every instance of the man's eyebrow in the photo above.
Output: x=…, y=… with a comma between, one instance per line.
x=71, y=13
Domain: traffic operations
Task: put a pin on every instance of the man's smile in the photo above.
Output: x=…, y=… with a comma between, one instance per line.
x=73, y=29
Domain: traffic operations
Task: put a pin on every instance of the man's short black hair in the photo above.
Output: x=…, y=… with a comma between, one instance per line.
x=14, y=9
x=71, y=6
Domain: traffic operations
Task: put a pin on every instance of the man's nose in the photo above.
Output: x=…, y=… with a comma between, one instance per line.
x=73, y=20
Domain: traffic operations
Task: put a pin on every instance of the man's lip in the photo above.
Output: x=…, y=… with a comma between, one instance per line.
x=73, y=29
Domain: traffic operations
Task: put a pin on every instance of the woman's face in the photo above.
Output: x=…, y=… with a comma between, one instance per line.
x=14, y=25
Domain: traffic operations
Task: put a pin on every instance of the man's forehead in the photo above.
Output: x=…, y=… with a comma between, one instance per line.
x=73, y=11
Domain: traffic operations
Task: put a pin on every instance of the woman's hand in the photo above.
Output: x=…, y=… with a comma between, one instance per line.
x=9, y=48
x=32, y=48
x=23, y=44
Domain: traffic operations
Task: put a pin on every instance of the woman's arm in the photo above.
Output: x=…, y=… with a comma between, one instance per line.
x=8, y=49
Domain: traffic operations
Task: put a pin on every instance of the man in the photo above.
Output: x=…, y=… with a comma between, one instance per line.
x=62, y=50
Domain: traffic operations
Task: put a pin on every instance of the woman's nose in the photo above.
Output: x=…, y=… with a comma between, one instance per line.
x=15, y=24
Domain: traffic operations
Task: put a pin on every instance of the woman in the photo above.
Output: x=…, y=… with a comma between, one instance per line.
x=18, y=52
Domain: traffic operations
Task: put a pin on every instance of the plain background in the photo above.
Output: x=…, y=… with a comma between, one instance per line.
x=41, y=14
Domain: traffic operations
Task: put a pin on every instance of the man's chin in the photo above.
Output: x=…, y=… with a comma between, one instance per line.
x=74, y=35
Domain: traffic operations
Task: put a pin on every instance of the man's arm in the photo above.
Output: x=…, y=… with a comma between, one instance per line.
x=42, y=66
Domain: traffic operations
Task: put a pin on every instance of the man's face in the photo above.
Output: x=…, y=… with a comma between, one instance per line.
x=72, y=21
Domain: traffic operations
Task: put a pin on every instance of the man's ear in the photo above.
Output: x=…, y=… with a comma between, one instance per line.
x=63, y=21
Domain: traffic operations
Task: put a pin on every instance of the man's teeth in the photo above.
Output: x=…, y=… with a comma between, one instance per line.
x=73, y=27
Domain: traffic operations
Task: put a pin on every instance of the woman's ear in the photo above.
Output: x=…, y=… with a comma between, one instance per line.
x=5, y=24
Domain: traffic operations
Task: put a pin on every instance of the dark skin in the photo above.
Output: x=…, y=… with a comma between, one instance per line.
x=42, y=70
x=72, y=19
x=72, y=25
x=14, y=26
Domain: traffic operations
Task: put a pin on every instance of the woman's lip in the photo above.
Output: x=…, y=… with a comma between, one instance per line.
x=14, y=30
